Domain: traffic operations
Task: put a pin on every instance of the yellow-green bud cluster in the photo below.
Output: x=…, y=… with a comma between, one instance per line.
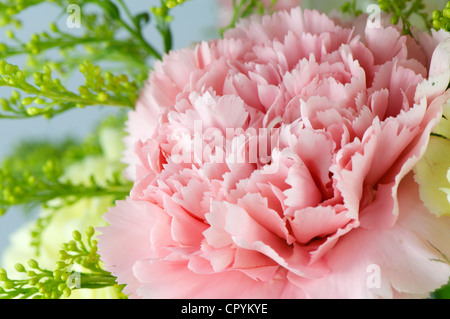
x=441, y=19
x=173, y=3
x=40, y=283
x=80, y=252
x=48, y=96
x=43, y=283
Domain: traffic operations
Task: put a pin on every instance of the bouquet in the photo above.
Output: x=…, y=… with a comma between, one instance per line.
x=299, y=149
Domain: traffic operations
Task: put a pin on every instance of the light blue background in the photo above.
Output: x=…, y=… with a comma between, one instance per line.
x=196, y=20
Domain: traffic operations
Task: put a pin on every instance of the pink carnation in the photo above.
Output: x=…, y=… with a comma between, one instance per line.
x=327, y=209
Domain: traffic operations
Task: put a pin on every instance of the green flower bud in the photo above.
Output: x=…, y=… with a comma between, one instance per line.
x=84, y=91
x=43, y=290
x=27, y=101
x=33, y=264
x=61, y=265
x=58, y=84
x=32, y=111
x=3, y=21
x=8, y=284
x=436, y=24
x=67, y=292
x=446, y=13
x=57, y=274
x=31, y=180
x=37, y=78
x=19, y=76
x=90, y=231
x=109, y=76
x=35, y=38
x=6, y=69
x=82, y=68
x=9, y=34
x=47, y=69
x=3, y=275
x=34, y=281
x=15, y=96
x=96, y=69
x=11, y=11
x=39, y=101
x=62, y=287
x=63, y=255
x=171, y=4
x=76, y=235
x=384, y=5
x=53, y=27
x=102, y=97
x=64, y=276
x=46, y=78
x=72, y=246
x=5, y=104
x=19, y=267
x=158, y=11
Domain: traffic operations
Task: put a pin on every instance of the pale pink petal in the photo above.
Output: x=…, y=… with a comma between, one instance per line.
x=173, y=280
x=406, y=256
x=248, y=234
x=144, y=226
x=378, y=39
x=319, y=222
x=303, y=192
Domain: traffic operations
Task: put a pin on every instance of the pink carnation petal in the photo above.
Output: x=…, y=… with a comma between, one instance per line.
x=126, y=220
x=303, y=192
x=175, y=281
x=319, y=221
x=378, y=39
x=248, y=234
x=404, y=255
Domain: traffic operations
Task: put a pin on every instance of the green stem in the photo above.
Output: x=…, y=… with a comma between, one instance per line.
x=73, y=98
x=69, y=41
x=236, y=14
x=439, y=135
x=166, y=34
x=96, y=281
x=138, y=35
x=93, y=192
x=30, y=293
x=71, y=193
x=128, y=13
